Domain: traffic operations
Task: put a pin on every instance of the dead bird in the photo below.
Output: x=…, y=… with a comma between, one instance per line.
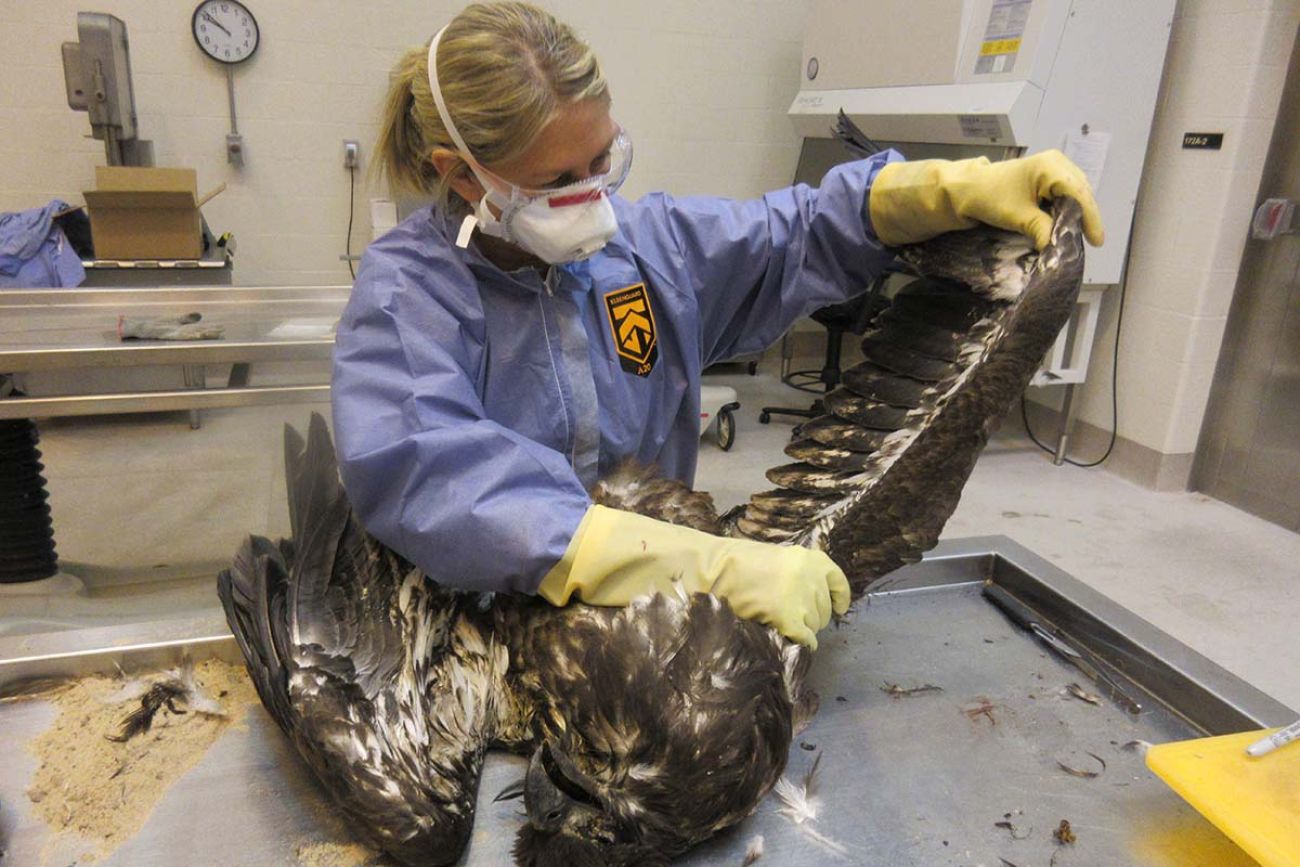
x=392, y=688
x=653, y=727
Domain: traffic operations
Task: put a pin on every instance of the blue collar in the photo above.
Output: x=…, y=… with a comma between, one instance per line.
x=448, y=226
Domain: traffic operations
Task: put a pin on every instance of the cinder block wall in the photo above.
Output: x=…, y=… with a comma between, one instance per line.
x=703, y=89
x=1224, y=73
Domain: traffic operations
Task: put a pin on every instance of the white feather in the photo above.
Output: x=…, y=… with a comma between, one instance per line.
x=1009, y=277
x=130, y=691
x=644, y=772
x=801, y=807
x=198, y=700
x=796, y=804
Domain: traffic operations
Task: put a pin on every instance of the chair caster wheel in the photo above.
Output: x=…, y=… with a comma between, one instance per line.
x=726, y=430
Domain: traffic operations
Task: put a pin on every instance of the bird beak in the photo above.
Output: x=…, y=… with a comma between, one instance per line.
x=553, y=788
x=510, y=792
x=546, y=804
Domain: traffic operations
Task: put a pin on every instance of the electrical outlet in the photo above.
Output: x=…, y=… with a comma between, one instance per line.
x=351, y=153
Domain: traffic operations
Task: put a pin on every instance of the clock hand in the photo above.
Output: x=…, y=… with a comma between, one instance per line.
x=208, y=15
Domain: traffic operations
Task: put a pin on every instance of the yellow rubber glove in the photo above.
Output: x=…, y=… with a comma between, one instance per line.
x=617, y=556
x=913, y=202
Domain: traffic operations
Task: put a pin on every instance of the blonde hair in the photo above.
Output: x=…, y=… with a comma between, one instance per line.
x=505, y=69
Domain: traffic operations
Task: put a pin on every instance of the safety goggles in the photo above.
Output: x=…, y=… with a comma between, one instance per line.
x=618, y=163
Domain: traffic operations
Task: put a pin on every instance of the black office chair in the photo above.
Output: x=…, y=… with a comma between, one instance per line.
x=848, y=317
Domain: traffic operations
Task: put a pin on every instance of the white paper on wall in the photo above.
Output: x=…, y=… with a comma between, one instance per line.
x=1088, y=150
x=383, y=216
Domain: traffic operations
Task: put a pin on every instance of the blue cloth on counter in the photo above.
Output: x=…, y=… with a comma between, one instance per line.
x=474, y=407
x=34, y=252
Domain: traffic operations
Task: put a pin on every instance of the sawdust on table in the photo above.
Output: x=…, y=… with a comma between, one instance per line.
x=336, y=855
x=104, y=791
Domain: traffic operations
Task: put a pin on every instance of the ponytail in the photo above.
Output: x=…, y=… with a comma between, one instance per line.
x=505, y=69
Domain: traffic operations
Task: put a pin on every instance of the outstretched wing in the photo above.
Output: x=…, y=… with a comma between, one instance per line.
x=879, y=475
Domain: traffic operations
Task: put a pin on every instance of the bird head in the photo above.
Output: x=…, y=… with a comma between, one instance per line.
x=675, y=729
x=570, y=824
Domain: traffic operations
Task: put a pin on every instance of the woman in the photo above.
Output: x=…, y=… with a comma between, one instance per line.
x=505, y=348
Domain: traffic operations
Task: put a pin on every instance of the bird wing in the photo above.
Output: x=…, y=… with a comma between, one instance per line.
x=383, y=680
x=252, y=594
x=877, y=477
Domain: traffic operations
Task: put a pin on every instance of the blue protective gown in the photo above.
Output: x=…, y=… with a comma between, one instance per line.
x=34, y=252
x=473, y=407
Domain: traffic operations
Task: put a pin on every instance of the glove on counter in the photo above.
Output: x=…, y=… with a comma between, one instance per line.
x=185, y=327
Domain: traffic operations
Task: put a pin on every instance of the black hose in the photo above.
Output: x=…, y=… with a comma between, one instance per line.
x=26, y=530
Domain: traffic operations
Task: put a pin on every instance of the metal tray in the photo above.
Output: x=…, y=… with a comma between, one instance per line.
x=922, y=779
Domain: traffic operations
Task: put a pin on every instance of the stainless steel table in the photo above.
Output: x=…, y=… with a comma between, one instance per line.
x=76, y=330
x=906, y=781
x=62, y=329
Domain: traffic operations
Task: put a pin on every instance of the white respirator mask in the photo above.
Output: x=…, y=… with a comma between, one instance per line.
x=557, y=225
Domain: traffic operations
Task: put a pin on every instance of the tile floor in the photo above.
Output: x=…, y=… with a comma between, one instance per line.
x=147, y=511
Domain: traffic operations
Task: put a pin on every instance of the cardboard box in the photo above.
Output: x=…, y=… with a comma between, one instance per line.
x=139, y=213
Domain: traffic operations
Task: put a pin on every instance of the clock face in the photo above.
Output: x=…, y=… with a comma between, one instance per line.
x=225, y=30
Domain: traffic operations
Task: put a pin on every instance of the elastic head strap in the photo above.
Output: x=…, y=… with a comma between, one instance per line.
x=481, y=218
x=440, y=103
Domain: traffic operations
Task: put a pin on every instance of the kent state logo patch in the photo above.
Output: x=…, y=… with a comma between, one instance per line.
x=632, y=323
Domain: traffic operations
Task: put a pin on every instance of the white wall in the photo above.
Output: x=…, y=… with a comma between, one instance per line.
x=703, y=89
x=1225, y=72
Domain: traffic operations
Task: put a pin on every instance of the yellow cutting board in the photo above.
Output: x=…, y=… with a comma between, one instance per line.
x=1255, y=801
